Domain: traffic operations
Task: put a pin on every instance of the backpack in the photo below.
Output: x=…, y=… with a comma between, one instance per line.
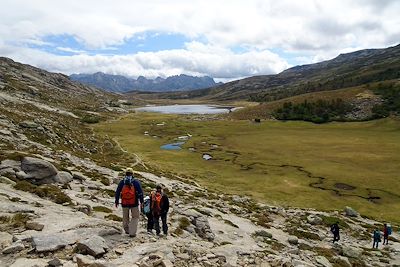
x=389, y=229
x=156, y=203
x=146, y=206
x=128, y=193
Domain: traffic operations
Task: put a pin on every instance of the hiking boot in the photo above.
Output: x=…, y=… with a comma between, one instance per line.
x=132, y=235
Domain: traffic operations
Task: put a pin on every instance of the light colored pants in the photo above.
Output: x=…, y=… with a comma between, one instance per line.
x=130, y=218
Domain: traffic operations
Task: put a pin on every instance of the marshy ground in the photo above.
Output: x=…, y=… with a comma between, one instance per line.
x=301, y=164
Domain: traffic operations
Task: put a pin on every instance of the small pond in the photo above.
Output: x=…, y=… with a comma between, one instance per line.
x=173, y=146
x=187, y=109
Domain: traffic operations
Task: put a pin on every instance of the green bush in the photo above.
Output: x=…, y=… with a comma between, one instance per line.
x=113, y=218
x=50, y=192
x=90, y=119
x=102, y=209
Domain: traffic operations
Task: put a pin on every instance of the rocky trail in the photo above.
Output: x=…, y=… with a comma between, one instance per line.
x=206, y=228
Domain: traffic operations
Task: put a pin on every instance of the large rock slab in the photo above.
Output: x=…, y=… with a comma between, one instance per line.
x=94, y=246
x=49, y=243
x=40, y=170
x=351, y=252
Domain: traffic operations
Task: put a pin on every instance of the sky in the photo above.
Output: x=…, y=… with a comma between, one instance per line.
x=224, y=39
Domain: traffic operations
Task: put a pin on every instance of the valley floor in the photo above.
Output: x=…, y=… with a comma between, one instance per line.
x=298, y=164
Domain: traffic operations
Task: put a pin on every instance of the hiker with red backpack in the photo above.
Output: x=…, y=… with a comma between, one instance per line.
x=130, y=191
x=159, y=206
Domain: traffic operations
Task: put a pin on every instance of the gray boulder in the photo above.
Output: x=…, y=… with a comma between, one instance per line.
x=293, y=240
x=94, y=246
x=40, y=170
x=314, y=219
x=203, y=228
x=34, y=226
x=350, y=212
x=49, y=243
x=351, y=252
x=63, y=177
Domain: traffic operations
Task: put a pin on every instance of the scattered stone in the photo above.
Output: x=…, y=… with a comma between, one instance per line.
x=293, y=240
x=166, y=263
x=323, y=261
x=84, y=260
x=55, y=262
x=314, y=219
x=49, y=243
x=14, y=248
x=63, y=177
x=79, y=176
x=350, y=212
x=34, y=226
x=351, y=252
x=85, y=208
x=5, y=239
x=94, y=246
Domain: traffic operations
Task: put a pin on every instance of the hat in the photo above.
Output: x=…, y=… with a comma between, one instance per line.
x=129, y=170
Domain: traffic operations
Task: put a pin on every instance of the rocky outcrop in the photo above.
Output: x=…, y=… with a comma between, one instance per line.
x=203, y=228
x=38, y=170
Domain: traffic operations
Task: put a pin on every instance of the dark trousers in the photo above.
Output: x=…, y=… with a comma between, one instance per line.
x=157, y=223
x=150, y=222
x=385, y=239
x=336, y=237
x=376, y=242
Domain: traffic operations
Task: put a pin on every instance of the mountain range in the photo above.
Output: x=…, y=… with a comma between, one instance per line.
x=119, y=83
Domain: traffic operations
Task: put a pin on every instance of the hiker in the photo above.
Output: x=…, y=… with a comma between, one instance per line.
x=335, y=232
x=377, y=238
x=131, y=194
x=159, y=205
x=148, y=213
x=387, y=231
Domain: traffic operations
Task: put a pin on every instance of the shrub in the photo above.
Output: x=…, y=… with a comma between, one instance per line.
x=90, y=119
x=50, y=192
x=262, y=233
x=102, y=209
x=113, y=218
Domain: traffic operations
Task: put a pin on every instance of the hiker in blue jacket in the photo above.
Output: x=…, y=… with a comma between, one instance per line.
x=377, y=238
x=130, y=191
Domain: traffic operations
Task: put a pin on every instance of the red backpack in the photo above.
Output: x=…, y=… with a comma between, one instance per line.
x=156, y=203
x=128, y=195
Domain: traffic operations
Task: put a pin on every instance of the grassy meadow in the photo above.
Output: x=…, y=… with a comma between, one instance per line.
x=275, y=161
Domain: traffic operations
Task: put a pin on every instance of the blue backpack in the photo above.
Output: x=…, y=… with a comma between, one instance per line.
x=146, y=206
x=389, y=229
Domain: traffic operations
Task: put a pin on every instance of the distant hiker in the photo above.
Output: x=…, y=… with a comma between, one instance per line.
x=159, y=205
x=387, y=231
x=377, y=238
x=148, y=213
x=131, y=194
x=335, y=232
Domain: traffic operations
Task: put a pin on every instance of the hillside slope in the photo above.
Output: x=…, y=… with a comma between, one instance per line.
x=346, y=70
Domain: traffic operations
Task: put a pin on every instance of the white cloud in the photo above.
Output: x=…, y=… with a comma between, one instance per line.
x=310, y=29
